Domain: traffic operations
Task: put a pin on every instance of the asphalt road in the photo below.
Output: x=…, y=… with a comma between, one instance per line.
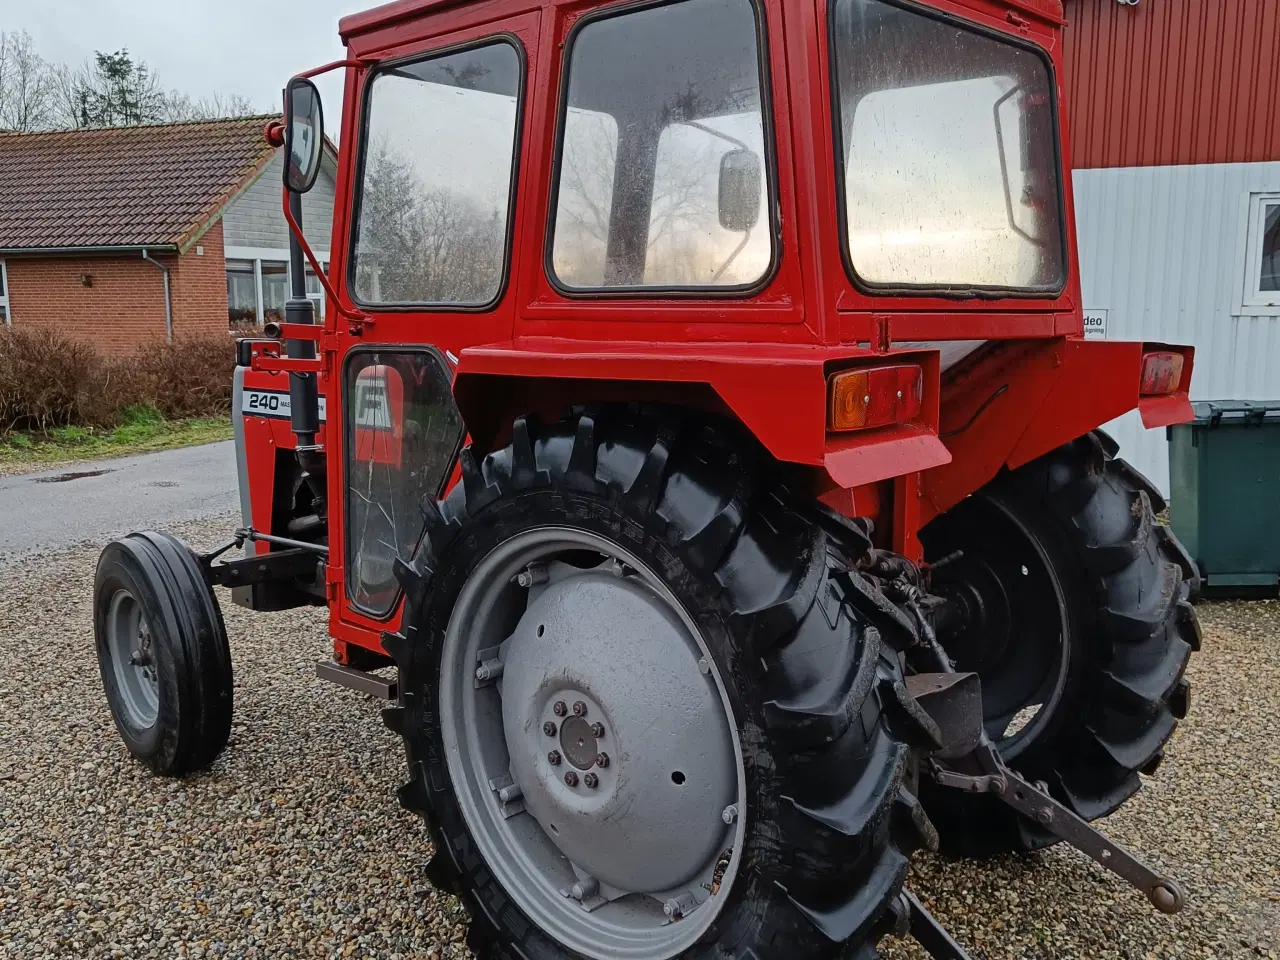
x=96, y=501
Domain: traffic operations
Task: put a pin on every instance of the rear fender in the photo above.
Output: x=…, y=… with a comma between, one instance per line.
x=1020, y=400
x=777, y=393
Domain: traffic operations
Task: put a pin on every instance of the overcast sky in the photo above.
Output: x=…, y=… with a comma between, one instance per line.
x=201, y=47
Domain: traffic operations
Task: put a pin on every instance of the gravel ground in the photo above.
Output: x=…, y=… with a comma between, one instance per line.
x=293, y=844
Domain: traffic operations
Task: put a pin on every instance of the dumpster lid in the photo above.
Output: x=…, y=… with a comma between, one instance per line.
x=1212, y=412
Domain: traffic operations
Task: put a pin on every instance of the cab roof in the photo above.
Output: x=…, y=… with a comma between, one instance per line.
x=401, y=10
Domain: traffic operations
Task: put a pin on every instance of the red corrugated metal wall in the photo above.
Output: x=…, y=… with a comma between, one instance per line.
x=1173, y=81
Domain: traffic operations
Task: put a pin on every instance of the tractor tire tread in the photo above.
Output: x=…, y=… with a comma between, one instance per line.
x=838, y=852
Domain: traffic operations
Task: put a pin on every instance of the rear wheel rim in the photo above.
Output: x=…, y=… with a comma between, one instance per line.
x=555, y=839
x=132, y=651
x=1017, y=636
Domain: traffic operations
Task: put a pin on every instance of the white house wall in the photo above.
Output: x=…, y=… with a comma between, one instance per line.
x=254, y=219
x=1162, y=249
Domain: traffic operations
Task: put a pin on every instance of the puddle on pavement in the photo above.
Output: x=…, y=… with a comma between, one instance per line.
x=64, y=477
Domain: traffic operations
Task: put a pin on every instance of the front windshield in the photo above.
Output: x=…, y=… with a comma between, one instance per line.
x=949, y=160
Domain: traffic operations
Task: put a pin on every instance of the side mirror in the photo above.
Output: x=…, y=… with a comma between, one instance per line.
x=741, y=180
x=303, y=135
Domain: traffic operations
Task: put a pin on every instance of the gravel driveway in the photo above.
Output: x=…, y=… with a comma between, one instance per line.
x=293, y=844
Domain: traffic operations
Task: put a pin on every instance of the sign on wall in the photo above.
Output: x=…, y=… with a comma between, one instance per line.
x=1095, y=324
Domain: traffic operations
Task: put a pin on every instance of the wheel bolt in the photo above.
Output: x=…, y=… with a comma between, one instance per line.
x=579, y=709
x=591, y=780
x=549, y=729
x=553, y=758
x=602, y=760
x=559, y=709
x=730, y=814
x=597, y=730
x=571, y=779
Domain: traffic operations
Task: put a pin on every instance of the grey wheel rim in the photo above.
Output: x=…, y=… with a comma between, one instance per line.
x=590, y=741
x=132, y=652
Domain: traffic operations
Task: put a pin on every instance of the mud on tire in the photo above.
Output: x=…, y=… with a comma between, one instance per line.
x=830, y=815
x=1127, y=586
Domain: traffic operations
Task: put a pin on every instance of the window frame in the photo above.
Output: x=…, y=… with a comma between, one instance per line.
x=256, y=256
x=357, y=183
x=4, y=294
x=656, y=292
x=945, y=291
x=1255, y=300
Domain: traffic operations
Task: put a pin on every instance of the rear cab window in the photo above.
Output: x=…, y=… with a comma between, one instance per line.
x=947, y=146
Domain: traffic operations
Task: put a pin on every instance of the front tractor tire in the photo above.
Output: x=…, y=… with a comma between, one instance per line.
x=641, y=713
x=1078, y=620
x=163, y=653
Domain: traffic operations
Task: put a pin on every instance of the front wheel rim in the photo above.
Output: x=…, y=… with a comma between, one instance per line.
x=131, y=649
x=565, y=662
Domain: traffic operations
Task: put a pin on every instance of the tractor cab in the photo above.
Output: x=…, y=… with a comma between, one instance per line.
x=699, y=454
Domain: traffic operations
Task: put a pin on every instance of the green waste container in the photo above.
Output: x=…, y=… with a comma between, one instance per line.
x=1224, y=478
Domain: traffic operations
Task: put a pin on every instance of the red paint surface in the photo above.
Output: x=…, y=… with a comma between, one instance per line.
x=1173, y=81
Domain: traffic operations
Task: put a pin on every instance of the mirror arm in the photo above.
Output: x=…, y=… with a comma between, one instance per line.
x=352, y=316
x=334, y=65
x=1004, y=171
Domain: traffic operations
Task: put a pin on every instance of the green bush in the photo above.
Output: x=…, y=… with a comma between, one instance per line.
x=61, y=387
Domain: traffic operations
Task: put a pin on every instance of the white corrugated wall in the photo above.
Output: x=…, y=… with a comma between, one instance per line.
x=1163, y=250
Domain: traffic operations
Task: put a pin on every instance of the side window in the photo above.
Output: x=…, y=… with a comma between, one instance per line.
x=663, y=179
x=435, y=191
x=4, y=295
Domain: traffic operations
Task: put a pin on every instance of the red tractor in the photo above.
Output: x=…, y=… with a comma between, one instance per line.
x=701, y=424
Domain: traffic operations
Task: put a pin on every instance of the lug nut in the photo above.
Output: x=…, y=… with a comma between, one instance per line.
x=673, y=909
x=579, y=709
x=591, y=780
x=553, y=758
x=549, y=729
x=602, y=760
x=571, y=779
x=730, y=814
x=559, y=709
x=597, y=730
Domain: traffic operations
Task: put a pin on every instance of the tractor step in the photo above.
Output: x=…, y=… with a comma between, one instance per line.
x=358, y=680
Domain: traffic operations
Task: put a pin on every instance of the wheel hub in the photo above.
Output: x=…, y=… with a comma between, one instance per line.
x=633, y=784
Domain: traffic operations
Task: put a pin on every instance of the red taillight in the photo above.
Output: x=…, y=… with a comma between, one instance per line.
x=875, y=397
x=1161, y=373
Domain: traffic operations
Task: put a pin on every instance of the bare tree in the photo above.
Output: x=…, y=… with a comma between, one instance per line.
x=180, y=106
x=424, y=244
x=26, y=85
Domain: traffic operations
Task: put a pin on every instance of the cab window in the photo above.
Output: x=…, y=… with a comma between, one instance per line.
x=434, y=206
x=662, y=179
x=948, y=150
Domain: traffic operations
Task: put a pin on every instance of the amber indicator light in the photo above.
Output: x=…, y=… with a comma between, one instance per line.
x=874, y=397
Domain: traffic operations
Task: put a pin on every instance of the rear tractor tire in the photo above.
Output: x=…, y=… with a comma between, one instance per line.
x=163, y=653
x=1080, y=626
x=642, y=715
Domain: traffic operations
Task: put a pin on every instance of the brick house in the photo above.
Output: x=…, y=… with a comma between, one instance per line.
x=128, y=235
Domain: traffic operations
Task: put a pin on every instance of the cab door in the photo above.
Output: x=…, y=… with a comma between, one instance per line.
x=437, y=128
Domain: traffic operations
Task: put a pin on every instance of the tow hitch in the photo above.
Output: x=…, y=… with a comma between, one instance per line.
x=970, y=762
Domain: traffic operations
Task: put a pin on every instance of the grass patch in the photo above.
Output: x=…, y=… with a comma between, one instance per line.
x=143, y=430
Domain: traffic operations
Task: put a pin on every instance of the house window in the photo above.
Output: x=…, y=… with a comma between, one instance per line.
x=258, y=286
x=1262, y=282
x=275, y=289
x=4, y=295
x=242, y=293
